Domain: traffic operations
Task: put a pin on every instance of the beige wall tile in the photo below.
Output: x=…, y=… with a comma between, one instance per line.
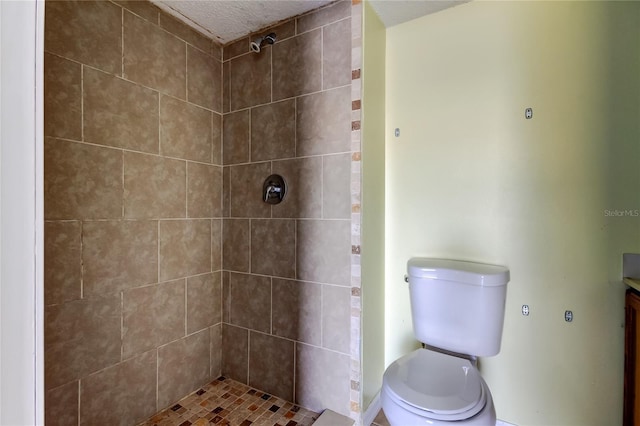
x=297, y=66
x=61, y=405
x=324, y=251
x=216, y=141
x=216, y=350
x=336, y=54
x=235, y=353
x=336, y=186
x=322, y=379
x=273, y=131
x=183, y=366
x=313, y=135
x=204, y=190
x=118, y=255
x=62, y=98
x=154, y=187
x=62, y=262
x=273, y=247
x=153, y=57
x=236, y=48
x=152, y=316
x=81, y=337
x=185, y=130
x=324, y=16
x=226, y=191
x=235, y=245
x=245, y=190
x=185, y=248
x=185, y=32
x=336, y=318
x=271, y=365
x=85, y=31
x=250, y=80
x=248, y=294
x=81, y=181
x=235, y=137
x=124, y=394
x=144, y=9
x=119, y=113
x=297, y=310
x=216, y=244
x=303, y=177
x=204, y=79
x=283, y=31
x=216, y=50
x=204, y=301
x=226, y=86
x=226, y=296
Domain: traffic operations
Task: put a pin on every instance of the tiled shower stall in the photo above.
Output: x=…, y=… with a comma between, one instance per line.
x=163, y=267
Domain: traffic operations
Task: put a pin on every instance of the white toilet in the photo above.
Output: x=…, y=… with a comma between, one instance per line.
x=457, y=310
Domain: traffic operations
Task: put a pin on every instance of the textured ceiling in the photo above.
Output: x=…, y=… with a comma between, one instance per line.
x=228, y=20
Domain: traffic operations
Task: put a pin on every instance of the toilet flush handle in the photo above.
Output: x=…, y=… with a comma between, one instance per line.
x=406, y=278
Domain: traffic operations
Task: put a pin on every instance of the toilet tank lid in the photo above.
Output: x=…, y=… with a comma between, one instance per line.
x=480, y=274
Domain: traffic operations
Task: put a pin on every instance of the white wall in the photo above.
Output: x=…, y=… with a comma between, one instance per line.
x=373, y=198
x=470, y=178
x=21, y=220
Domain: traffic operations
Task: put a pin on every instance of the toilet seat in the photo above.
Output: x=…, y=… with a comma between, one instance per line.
x=436, y=385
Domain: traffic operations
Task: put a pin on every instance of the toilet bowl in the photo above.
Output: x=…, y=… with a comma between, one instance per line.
x=457, y=310
x=429, y=387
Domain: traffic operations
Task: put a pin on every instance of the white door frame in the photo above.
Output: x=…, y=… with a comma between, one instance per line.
x=21, y=213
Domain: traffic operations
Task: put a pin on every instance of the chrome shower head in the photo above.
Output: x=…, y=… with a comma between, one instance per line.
x=257, y=44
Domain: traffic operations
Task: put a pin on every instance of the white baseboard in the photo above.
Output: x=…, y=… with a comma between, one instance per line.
x=372, y=411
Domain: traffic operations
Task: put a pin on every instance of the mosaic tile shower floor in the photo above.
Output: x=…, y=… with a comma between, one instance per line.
x=230, y=403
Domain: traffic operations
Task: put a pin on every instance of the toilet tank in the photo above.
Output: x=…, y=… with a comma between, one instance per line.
x=457, y=305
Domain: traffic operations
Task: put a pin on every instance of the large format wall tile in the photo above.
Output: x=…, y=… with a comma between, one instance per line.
x=297, y=310
x=245, y=190
x=185, y=32
x=235, y=245
x=81, y=181
x=61, y=405
x=320, y=379
x=204, y=190
x=183, y=366
x=185, y=248
x=216, y=140
x=119, y=113
x=324, y=16
x=235, y=137
x=304, y=188
x=250, y=305
x=152, y=316
x=154, y=187
x=216, y=244
x=216, y=350
x=62, y=262
x=250, y=80
x=62, y=98
x=336, y=54
x=153, y=57
x=273, y=131
x=185, y=130
x=85, y=31
x=271, y=365
x=324, y=251
x=204, y=80
x=143, y=9
x=314, y=134
x=123, y=395
x=273, y=247
x=235, y=354
x=119, y=255
x=81, y=337
x=336, y=318
x=297, y=66
x=204, y=301
x=336, y=186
